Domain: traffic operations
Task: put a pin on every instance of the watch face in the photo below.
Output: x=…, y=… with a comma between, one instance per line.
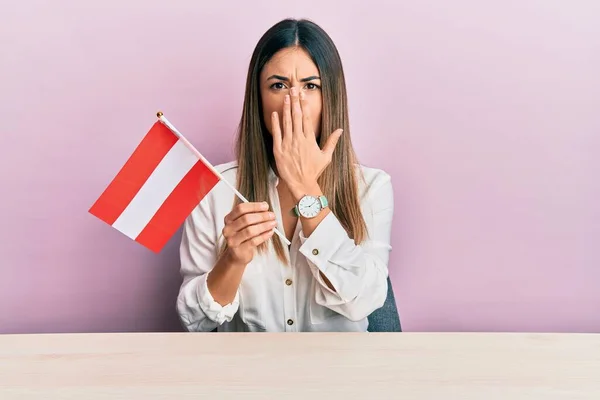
x=309, y=206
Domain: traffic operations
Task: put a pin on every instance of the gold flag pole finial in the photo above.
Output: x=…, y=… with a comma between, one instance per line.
x=159, y=114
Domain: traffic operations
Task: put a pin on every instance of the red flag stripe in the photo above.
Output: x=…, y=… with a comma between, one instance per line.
x=140, y=165
x=194, y=186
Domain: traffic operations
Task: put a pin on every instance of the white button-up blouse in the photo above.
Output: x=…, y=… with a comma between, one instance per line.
x=276, y=297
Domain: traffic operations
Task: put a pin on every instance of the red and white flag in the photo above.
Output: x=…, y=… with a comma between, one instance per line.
x=157, y=188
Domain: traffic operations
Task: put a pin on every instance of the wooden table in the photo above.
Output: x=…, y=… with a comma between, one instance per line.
x=300, y=366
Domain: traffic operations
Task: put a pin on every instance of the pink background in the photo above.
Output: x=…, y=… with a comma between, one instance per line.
x=486, y=114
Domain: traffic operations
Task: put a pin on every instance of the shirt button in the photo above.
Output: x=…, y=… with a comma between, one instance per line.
x=288, y=282
x=290, y=322
x=315, y=252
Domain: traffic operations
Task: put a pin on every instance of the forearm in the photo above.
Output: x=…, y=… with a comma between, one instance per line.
x=310, y=224
x=202, y=309
x=367, y=294
x=357, y=272
x=224, y=279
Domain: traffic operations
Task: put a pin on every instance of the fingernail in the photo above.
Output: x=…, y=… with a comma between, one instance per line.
x=264, y=206
x=287, y=98
x=293, y=91
x=302, y=95
x=274, y=115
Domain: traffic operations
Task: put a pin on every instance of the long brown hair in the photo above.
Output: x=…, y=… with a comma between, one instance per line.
x=254, y=144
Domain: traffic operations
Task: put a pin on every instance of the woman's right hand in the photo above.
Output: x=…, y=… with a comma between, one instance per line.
x=246, y=227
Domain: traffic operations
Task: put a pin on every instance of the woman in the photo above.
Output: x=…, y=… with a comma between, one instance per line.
x=294, y=153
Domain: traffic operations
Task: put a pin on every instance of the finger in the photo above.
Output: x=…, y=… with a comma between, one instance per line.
x=332, y=142
x=258, y=240
x=276, y=131
x=306, y=120
x=244, y=208
x=287, y=121
x=252, y=231
x=250, y=219
x=296, y=112
x=246, y=220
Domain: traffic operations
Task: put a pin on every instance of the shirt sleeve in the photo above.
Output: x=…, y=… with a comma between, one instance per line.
x=197, y=309
x=357, y=272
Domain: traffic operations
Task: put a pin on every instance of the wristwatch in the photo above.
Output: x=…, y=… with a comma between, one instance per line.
x=310, y=206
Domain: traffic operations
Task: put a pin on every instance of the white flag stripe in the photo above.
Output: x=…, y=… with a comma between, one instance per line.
x=163, y=180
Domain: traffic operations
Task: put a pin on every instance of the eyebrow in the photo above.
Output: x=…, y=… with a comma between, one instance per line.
x=286, y=79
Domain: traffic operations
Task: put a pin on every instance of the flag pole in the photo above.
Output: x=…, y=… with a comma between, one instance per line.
x=191, y=147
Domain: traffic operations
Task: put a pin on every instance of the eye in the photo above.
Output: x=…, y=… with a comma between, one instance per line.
x=312, y=86
x=277, y=86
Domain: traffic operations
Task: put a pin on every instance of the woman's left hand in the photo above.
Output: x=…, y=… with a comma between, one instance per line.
x=300, y=160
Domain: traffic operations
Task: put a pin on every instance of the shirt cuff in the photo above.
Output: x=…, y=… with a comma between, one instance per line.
x=211, y=308
x=323, y=243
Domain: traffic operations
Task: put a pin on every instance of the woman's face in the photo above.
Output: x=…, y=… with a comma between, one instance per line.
x=291, y=67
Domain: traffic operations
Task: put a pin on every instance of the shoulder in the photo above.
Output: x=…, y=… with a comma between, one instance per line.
x=222, y=192
x=228, y=170
x=371, y=179
x=374, y=190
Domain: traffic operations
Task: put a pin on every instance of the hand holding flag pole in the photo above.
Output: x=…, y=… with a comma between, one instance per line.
x=191, y=147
